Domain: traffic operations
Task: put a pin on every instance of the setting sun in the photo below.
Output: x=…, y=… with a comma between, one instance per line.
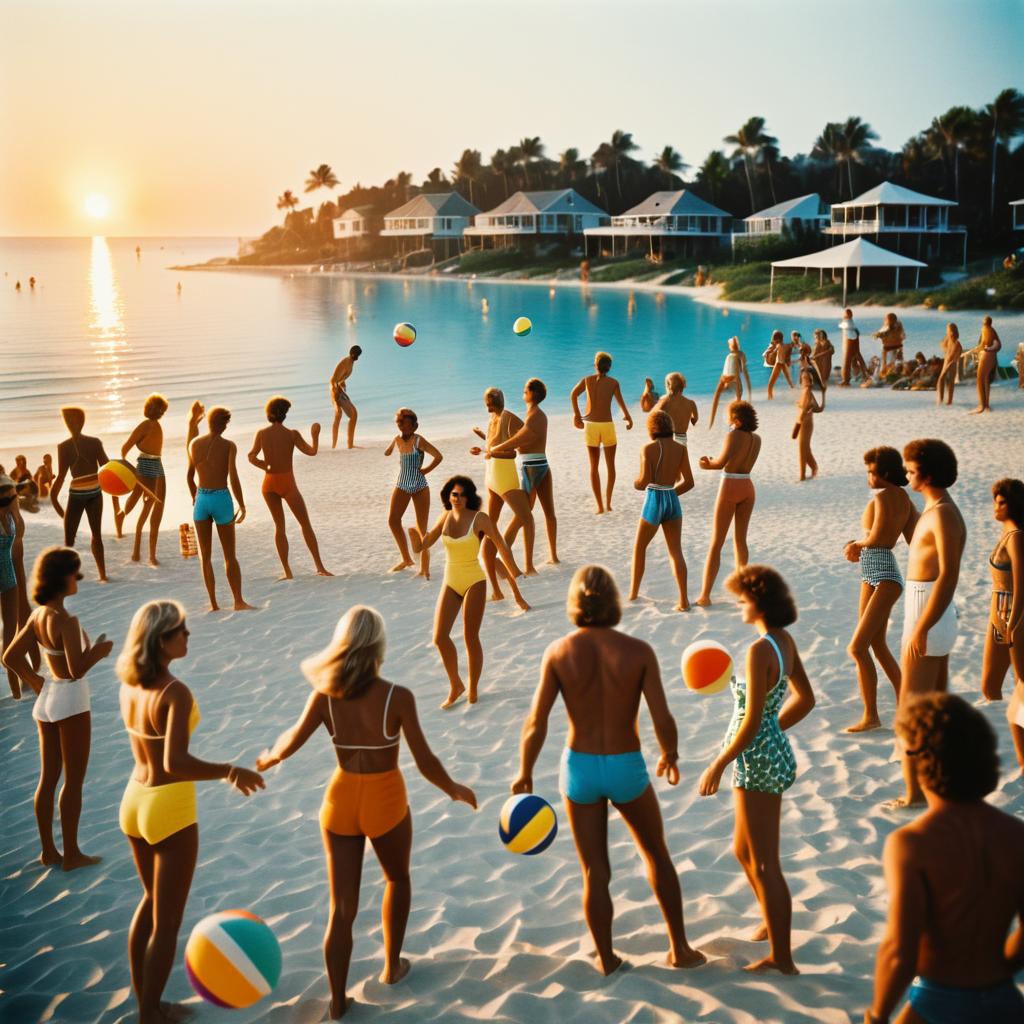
x=97, y=206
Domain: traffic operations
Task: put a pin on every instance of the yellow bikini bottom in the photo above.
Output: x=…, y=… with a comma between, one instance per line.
x=153, y=813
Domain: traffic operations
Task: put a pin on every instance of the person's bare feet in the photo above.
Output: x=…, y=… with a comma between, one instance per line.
x=611, y=965
x=521, y=601
x=103, y=579
x=51, y=857
x=454, y=696
x=472, y=694
x=682, y=606
x=902, y=803
x=399, y=566
x=136, y=557
x=338, y=1010
x=703, y=602
x=244, y=606
x=424, y=574
x=760, y=933
x=865, y=725
x=79, y=860
x=769, y=964
x=321, y=571
x=214, y=607
x=530, y=570
x=497, y=595
x=689, y=957
x=393, y=975
x=153, y=560
x=553, y=560
x=286, y=575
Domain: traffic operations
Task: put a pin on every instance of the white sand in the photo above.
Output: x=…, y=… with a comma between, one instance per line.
x=493, y=936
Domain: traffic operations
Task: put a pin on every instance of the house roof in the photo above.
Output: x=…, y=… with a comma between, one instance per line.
x=354, y=212
x=435, y=204
x=895, y=195
x=679, y=204
x=565, y=200
x=858, y=253
x=803, y=207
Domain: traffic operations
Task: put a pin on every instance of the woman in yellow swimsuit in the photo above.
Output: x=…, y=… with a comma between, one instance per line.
x=365, y=799
x=158, y=809
x=461, y=528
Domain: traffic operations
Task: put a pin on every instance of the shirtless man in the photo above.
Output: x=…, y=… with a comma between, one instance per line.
x=933, y=569
x=783, y=359
x=649, y=397
x=531, y=441
x=339, y=397
x=44, y=476
x=682, y=410
x=213, y=459
x=82, y=457
x=852, y=359
x=503, y=487
x=278, y=443
x=734, y=367
x=954, y=879
x=148, y=438
x=600, y=430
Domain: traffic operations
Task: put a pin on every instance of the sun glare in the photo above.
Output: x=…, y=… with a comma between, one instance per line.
x=97, y=206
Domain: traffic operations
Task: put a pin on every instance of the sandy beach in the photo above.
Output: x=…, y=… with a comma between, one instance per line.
x=493, y=936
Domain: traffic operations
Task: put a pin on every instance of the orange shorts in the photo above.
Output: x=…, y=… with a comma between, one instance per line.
x=364, y=803
x=281, y=484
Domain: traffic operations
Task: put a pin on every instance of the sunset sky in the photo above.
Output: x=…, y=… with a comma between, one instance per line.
x=191, y=117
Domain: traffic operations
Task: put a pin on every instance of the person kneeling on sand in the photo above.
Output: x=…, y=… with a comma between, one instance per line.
x=954, y=882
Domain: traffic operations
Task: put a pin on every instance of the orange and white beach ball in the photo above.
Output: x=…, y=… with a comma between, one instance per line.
x=233, y=959
x=707, y=667
x=117, y=478
x=405, y=334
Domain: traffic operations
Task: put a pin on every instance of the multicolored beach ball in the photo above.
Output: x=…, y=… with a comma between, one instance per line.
x=405, y=334
x=117, y=477
x=232, y=959
x=522, y=326
x=527, y=824
x=707, y=667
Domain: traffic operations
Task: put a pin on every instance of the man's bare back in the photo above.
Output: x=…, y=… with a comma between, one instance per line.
x=342, y=372
x=278, y=443
x=80, y=456
x=600, y=392
x=211, y=454
x=681, y=409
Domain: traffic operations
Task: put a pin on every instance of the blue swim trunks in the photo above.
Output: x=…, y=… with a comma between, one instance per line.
x=661, y=506
x=939, y=1004
x=534, y=467
x=216, y=505
x=587, y=778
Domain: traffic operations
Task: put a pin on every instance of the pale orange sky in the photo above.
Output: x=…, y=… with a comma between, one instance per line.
x=192, y=117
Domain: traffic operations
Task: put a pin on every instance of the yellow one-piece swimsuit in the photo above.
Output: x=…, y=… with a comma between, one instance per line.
x=462, y=566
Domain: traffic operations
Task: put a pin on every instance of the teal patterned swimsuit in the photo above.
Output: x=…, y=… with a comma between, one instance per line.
x=768, y=764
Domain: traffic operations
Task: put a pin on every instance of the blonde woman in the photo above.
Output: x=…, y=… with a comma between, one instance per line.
x=148, y=438
x=822, y=355
x=62, y=707
x=365, y=717
x=158, y=809
x=952, y=350
x=987, y=347
x=734, y=372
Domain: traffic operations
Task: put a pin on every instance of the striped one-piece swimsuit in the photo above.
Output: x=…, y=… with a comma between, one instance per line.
x=410, y=479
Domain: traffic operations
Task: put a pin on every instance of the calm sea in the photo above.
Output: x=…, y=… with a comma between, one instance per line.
x=104, y=326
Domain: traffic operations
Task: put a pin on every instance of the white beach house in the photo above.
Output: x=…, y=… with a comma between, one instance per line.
x=429, y=221
x=680, y=220
x=900, y=219
x=1017, y=209
x=803, y=215
x=560, y=213
x=356, y=226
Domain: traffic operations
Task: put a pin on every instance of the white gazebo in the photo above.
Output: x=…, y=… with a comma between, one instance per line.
x=805, y=213
x=1017, y=209
x=561, y=213
x=856, y=255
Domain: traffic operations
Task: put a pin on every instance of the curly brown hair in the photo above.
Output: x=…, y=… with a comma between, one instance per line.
x=888, y=464
x=934, y=459
x=155, y=407
x=951, y=746
x=659, y=424
x=744, y=414
x=277, y=408
x=769, y=592
x=51, y=572
x=1012, y=492
x=593, y=597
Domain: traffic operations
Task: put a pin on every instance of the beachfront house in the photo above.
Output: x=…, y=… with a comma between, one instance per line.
x=430, y=221
x=795, y=217
x=900, y=219
x=681, y=221
x=535, y=217
x=1017, y=209
x=355, y=227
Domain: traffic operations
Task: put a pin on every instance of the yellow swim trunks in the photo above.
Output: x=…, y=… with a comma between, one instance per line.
x=596, y=434
x=501, y=476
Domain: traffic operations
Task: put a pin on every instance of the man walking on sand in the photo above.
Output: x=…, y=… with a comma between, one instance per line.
x=598, y=425
x=933, y=569
x=852, y=359
x=340, y=399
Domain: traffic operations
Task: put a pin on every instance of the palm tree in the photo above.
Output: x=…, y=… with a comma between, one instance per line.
x=948, y=135
x=829, y=147
x=747, y=142
x=714, y=172
x=403, y=181
x=436, y=179
x=502, y=165
x=856, y=141
x=670, y=162
x=1006, y=115
x=612, y=155
x=468, y=168
x=529, y=149
x=322, y=177
x=570, y=166
x=913, y=157
x=768, y=154
x=287, y=201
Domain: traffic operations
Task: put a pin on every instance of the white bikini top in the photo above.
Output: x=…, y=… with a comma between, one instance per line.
x=393, y=740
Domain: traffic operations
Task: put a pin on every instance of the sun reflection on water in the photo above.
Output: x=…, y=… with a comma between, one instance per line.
x=106, y=326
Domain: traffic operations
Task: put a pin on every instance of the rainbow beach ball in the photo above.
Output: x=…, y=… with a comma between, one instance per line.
x=405, y=334
x=232, y=959
x=527, y=824
x=707, y=667
x=116, y=478
x=522, y=326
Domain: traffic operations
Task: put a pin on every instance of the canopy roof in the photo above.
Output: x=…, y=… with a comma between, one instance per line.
x=858, y=253
x=682, y=203
x=1017, y=202
x=435, y=204
x=803, y=207
x=565, y=200
x=893, y=195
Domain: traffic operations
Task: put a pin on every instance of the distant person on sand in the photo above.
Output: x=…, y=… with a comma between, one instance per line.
x=502, y=481
x=365, y=717
x=343, y=405
x=822, y=355
x=531, y=441
x=148, y=437
x=278, y=443
x=1004, y=632
x=682, y=410
x=28, y=493
x=62, y=705
x=933, y=569
x=735, y=493
x=44, y=476
x=82, y=457
x=892, y=335
x=411, y=486
x=649, y=396
x=598, y=425
x=158, y=808
x=461, y=528
x=988, y=345
x=601, y=675
x=853, y=361
x=952, y=350
x=955, y=888
x=213, y=459
x=734, y=372
x=806, y=406
x=889, y=515
x=757, y=747
x=12, y=570
x=778, y=356
x=664, y=475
